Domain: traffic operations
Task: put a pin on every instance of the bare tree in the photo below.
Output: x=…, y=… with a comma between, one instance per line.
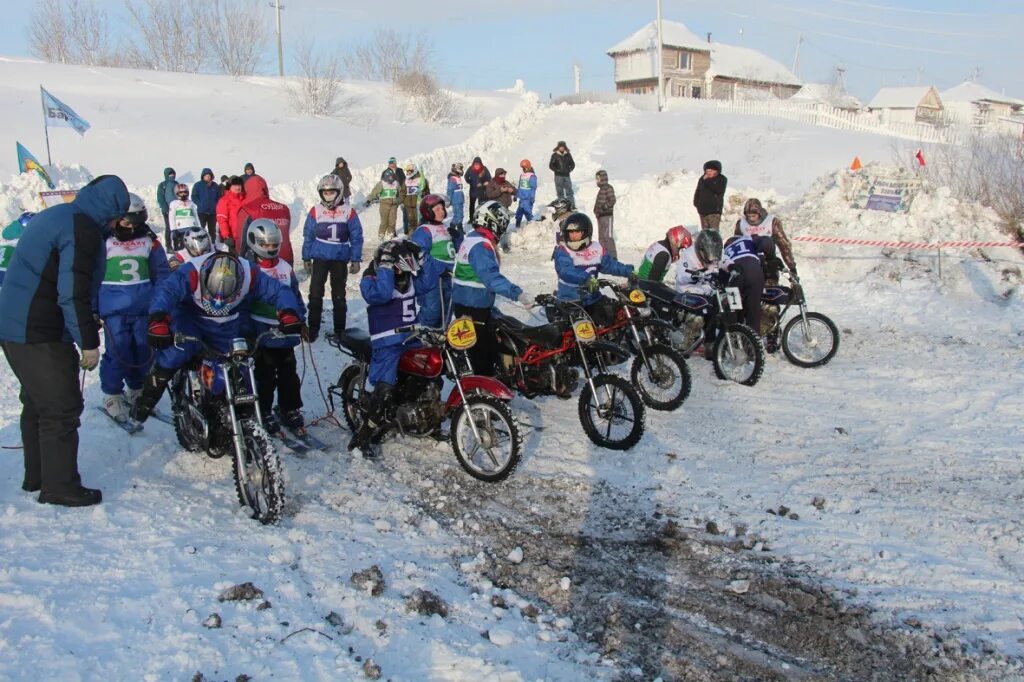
x=388, y=56
x=71, y=32
x=317, y=90
x=431, y=102
x=236, y=35
x=48, y=32
x=171, y=34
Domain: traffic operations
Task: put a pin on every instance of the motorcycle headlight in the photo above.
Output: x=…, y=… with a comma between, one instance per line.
x=644, y=311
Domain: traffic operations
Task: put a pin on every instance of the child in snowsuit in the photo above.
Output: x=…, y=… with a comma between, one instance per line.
x=332, y=245
x=416, y=187
x=181, y=214
x=136, y=264
x=527, y=192
x=456, y=197
x=386, y=191
x=275, y=363
x=441, y=242
x=604, y=211
x=579, y=261
x=196, y=243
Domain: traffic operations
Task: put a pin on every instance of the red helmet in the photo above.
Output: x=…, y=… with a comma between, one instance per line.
x=525, y=164
x=678, y=238
x=427, y=208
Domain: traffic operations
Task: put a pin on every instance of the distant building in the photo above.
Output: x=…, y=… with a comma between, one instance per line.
x=973, y=104
x=916, y=104
x=696, y=68
x=826, y=95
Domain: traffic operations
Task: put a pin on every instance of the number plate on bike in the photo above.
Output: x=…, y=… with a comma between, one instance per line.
x=462, y=333
x=732, y=294
x=584, y=330
x=637, y=296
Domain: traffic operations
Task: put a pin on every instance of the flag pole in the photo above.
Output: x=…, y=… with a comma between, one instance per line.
x=46, y=128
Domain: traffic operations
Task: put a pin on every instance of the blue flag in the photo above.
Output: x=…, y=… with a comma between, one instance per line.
x=27, y=162
x=56, y=114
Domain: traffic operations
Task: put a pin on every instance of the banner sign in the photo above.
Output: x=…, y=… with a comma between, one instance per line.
x=892, y=192
x=60, y=196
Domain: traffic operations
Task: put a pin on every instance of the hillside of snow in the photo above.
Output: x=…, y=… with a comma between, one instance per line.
x=900, y=460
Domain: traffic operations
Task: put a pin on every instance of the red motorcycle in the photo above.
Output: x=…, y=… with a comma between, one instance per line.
x=484, y=434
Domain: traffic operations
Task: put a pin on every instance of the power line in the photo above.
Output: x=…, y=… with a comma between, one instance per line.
x=911, y=10
x=875, y=24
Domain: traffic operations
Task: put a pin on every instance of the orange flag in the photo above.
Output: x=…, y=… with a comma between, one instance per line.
x=920, y=157
x=856, y=165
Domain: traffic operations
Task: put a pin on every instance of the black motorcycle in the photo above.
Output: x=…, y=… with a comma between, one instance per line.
x=808, y=339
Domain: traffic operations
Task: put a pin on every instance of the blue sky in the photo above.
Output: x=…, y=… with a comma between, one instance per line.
x=488, y=45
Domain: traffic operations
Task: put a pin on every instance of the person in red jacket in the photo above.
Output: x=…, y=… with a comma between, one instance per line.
x=227, y=207
x=258, y=204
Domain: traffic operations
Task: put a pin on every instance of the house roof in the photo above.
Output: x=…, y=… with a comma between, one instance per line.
x=726, y=60
x=969, y=91
x=826, y=93
x=899, y=98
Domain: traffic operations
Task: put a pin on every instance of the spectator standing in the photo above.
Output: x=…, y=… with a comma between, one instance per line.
x=386, y=192
x=206, y=193
x=45, y=311
x=342, y=170
x=500, y=189
x=227, y=208
x=527, y=192
x=562, y=165
x=476, y=177
x=258, y=204
x=456, y=197
x=249, y=170
x=164, y=197
x=416, y=187
x=224, y=180
x=709, y=196
x=181, y=215
x=604, y=209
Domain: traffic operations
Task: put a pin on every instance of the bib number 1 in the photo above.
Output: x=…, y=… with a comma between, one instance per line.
x=732, y=294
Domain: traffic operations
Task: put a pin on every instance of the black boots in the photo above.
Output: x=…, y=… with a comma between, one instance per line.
x=152, y=390
x=370, y=432
x=80, y=497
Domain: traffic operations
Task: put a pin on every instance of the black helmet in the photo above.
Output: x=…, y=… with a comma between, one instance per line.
x=577, y=222
x=388, y=176
x=560, y=206
x=708, y=246
x=493, y=216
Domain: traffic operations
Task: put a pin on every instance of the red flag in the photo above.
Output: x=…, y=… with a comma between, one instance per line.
x=856, y=165
x=920, y=157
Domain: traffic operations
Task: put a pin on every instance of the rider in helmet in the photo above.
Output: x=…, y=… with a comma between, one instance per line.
x=136, y=264
x=332, y=246
x=208, y=296
x=181, y=214
x=389, y=286
x=742, y=262
x=527, y=192
x=478, y=278
x=441, y=242
x=557, y=211
x=663, y=253
x=578, y=262
x=275, y=367
x=195, y=242
x=415, y=187
x=387, y=192
x=456, y=197
x=766, y=231
x=704, y=253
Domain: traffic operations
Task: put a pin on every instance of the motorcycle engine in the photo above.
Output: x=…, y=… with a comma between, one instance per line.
x=422, y=414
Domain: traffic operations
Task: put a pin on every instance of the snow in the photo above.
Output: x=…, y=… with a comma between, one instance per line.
x=908, y=97
x=901, y=458
x=673, y=34
x=825, y=93
x=969, y=91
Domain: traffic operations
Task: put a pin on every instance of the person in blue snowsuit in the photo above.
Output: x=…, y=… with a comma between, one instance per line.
x=456, y=195
x=478, y=278
x=527, y=192
x=389, y=286
x=208, y=297
x=579, y=261
x=441, y=242
x=136, y=264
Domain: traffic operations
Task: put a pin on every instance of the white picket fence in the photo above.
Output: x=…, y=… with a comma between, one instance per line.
x=812, y=114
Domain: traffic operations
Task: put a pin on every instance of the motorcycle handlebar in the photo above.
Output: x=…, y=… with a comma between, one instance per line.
x=181, y=339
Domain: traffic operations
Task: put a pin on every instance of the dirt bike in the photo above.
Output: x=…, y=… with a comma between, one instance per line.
x=809, y=339
x=547, y=359
x=484, y=433
x=736, y=350
x=658, y=372
x=215, y=408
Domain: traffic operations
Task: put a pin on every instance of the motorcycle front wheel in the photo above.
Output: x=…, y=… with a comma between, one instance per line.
x=664, y=380
x=613, y=417
x=351, y=396
x=738, y=355
x=258, y=479
x=813, y=344
x=495, y=454
x=185, y=428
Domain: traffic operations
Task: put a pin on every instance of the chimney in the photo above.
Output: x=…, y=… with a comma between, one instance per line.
x=709, y=37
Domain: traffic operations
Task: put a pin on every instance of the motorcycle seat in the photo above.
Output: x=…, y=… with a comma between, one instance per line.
x=357, y=341
x=547, y=335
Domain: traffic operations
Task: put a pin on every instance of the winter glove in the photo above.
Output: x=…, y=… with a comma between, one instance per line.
x=159, y=335
x=229, y=242
x=792, y=273
x=307, y=266
x=173, y=263
x=632, y=279
x=90, y=358
x=353, y=267
x=526, y=301
x=591, y=285
x=456, y=232
x=290, y=322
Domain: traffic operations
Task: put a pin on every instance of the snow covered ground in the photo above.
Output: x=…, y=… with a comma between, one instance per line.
x=909, y=440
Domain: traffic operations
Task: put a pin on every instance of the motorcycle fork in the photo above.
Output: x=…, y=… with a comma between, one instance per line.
x=641, y=346
x=462, y=393
x=237, y=437
x=590, y=377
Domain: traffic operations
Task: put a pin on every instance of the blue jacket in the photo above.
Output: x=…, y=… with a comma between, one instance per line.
x=206, y=195
x=478, y=262
x=332, y=234
x=527, y=190
x=387, y=308
x=128, y=284
x=456, y=192
x=57, y=268
x=572, y=272
x=260, y=312
x=165, y=191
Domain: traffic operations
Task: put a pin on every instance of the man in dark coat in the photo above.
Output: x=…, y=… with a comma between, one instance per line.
x=476, y=177
x=709, y=195
x=562, y=165
x=45, y=311
x=164, y=197
x=341, y=169
x=206, y=194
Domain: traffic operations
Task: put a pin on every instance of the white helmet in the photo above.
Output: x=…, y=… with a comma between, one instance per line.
x=263, y=237
x=197, y=242
x=330, y=182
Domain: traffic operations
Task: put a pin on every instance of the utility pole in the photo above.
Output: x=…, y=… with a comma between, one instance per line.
x=577, y=76
x=658, y=64
x=796, y=56
x=280, y=50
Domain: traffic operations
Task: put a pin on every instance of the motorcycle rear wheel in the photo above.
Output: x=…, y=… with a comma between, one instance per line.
x=739, y=355
x=617, y=403
x=665, y=384
x=814, y=348
x=496, y=455
x=260, y=484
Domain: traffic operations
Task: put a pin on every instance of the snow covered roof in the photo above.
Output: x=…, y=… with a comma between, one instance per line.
x=900, y=98
x=825, y=93
x=731, y=61
x=969, y=91
x=673, y=34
